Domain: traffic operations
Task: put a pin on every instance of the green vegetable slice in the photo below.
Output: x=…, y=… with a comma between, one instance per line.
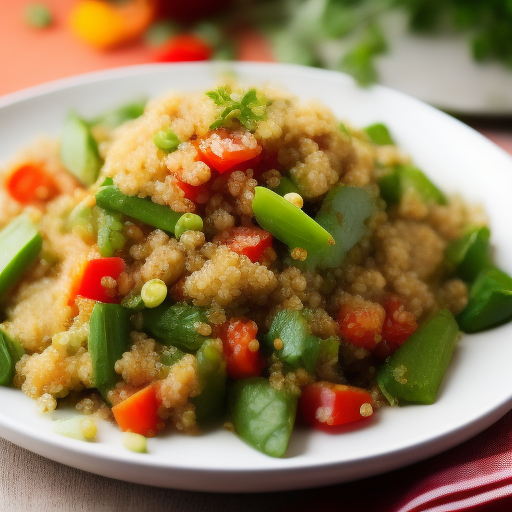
x=211, y=370
x=415, y=371
x=300, y=348
x=20, y=244
x=490, y=302
x=263, y=415
x=79, y=150
x=407, y=177
x=470, y=253
x=286, y=186
x=379, y=134
x=10, y=353
x=109, y=338
x=176, y=325
x=156, y=215
x=116, y=117
x=289, y=223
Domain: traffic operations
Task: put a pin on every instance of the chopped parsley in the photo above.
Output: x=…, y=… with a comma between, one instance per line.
x=247, y=109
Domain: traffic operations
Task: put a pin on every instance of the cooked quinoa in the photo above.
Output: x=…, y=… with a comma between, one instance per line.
x=400, y=255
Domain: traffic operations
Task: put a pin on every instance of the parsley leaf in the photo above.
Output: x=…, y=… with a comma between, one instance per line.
x=247, y=109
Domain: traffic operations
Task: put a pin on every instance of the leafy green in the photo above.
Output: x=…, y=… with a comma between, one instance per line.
x=248, y=108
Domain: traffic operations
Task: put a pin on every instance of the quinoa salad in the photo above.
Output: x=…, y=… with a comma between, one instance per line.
x=235, y=256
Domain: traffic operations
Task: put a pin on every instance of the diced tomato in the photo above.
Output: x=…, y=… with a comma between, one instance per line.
x=398, y=325
x=253, y=46
x=31, y=183
x=324, y=404
x=361, y=322
x=184, y=48
x=139, y=412
x=237, y=334
x=197, y=194
x=89, y=281
x=223, y=150
x=247, y=241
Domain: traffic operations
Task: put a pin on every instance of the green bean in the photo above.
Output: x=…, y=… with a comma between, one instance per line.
x=10, y=353
x=20, y=244
x=156, y=215
x=288, y=223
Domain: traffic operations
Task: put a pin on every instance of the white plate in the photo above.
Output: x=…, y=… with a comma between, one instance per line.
x=476, y=391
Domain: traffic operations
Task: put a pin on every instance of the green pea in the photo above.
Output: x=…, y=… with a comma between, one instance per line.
x=188, y=222
x=153, y=293
x=166, y=140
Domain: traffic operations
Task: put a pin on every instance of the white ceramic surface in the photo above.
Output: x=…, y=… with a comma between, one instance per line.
x=477, y=389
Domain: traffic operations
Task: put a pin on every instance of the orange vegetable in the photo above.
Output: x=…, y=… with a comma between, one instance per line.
x=139, y=412
x=324, y=404
x=105, y=25
x=241, y=350
x=223, y=150
x=31, y=183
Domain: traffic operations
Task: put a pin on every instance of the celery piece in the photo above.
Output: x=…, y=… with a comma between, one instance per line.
x=109, y=338
x=135, y=442
x=262, y=415
x=20, y=244
x=469, y=254
x=343, y=213
x=76, y=428
x=156, y=215
x=211, y=372
x=79, y=150
x=379, y=134
x=490, y=302
x=415, y=371
x=176, y=325
x=403, y=178
x=299, y=347
x=10, y=353
x=289, y=223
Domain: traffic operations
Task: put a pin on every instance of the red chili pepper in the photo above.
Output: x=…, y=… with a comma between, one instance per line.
x=89, y=284
x=139, y=412
x=247, y=241
x=241, y=362
x=324, y=404
x=361, y=323
x=183, y=48
x=398, y=325
x=31, y=183
x=223, y=150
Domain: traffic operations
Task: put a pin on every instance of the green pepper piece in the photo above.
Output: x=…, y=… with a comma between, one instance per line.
x=176, y=325
x=343, y=213
x=415, y=371
x=407, y=177
x=20, y=244
x=379, y=134
x=263, y=415
x=211, y=372
x=470, y=253
x=156, y=215
x=288, y=223
x=286, y=186
x=300, y=348
x=490, y=302
x=171, y=355
x=10, y=353
x=109, y=338
x=79, y=150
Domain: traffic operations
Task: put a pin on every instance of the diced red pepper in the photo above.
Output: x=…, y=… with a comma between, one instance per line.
x=252, y=241
x=89, y=284
x=223, y=150
x=184, y=48
x=139, y=412
x=324, y=404
x=398, y=325
x=237, y=334
x=197, y=194
x=361, y=323
x=31, y=183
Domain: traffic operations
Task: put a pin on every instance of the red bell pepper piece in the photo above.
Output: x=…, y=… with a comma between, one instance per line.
x=89, y=284
x=241, y=362
x=31, y=183
x=247, y=241
x=139, y=412
x=223, y=150
x=324, y=404
x=197, y=194
x=184, y=48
